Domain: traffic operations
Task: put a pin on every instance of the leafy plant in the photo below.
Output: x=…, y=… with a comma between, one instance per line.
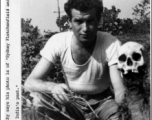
x=32, y=42
x=112, y=24
x=63, y=23
x=31, y=45
x=141, y=14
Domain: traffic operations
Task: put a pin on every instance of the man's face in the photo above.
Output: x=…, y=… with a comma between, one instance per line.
x=84, y=25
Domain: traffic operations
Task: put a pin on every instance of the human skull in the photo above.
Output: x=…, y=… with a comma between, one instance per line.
x=131, y=57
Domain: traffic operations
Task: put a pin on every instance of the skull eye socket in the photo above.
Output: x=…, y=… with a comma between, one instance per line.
x=122, y=58
x=136, y=56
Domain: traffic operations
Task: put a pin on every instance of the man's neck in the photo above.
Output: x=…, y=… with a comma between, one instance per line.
x=85, y=45
x=80, y=51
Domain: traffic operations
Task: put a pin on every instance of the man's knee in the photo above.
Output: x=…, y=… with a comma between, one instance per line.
x=108, y=110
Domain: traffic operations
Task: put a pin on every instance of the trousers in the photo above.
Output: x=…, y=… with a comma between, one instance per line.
x=100, y=106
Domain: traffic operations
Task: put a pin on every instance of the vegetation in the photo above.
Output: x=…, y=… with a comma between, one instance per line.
x=137, y=29
x=141, y=14
x=63, y=23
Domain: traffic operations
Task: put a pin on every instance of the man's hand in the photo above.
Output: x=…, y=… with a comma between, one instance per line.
x=120, y=97
x=60, y=92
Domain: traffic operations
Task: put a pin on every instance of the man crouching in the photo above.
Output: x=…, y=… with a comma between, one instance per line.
x=89, y=61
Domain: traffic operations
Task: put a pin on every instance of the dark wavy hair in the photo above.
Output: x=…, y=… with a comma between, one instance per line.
x=83, y=5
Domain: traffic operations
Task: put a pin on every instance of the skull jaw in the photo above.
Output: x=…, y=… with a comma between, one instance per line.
x=134, y=80
x=128, y=72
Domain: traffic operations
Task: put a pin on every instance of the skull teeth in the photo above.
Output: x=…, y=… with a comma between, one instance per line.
x=125, y=72
x=135, y=71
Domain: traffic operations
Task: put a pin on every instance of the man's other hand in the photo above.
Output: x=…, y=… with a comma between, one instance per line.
x=120, y=97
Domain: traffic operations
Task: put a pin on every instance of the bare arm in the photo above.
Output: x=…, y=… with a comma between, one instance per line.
x=35, y=82
x=117, y=82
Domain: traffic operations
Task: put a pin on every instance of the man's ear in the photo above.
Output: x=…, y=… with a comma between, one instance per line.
x=69, y=21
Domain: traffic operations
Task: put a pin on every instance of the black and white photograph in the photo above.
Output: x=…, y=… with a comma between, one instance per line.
x=78, y=60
